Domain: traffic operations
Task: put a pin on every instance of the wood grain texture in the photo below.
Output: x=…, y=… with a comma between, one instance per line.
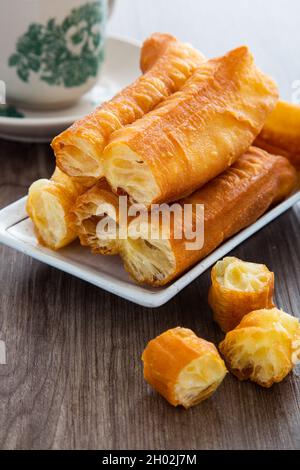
x=73, y=377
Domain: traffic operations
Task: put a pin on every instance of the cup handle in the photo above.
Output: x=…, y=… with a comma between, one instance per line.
x=110, y=7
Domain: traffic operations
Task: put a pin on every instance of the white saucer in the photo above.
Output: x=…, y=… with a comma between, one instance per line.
x=120, y=68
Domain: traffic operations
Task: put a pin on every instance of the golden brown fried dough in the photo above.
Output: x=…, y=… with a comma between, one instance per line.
x=193, y=135
x=281, y=132
x=79, y=149
x=81, y=144
x=232, y=201
x=182, y=367
x=237, y=288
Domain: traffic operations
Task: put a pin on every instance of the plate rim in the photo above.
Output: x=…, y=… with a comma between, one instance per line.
x=15, y=213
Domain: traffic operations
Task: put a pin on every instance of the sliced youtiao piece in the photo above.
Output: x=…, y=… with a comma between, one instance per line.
x=237, y=288
x=182, y=367
x=264, y=347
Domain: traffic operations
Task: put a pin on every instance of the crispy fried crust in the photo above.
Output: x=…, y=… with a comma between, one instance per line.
x=50, y=201
x=264, y=347
x=182, y=367
x=232, y=201
x=193, y=135
x=237, y=288
x=79, y=149
x=281, y=132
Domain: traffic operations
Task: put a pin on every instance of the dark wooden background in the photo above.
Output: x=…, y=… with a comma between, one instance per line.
x=73, y=377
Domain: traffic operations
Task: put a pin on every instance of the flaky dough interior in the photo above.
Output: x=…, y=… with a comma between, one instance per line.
x=198, y=380
x=148, y=260
x=120, y=166
x=235, y=274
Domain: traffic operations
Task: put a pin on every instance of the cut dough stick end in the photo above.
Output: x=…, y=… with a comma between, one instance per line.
x=199, y=380
x=92, y=218
x=47, y=206
x=147, y=254
x=120, y=163
x=79, y=158
x=148, y=261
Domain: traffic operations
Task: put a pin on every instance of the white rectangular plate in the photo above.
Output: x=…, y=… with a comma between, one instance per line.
x=107, y=272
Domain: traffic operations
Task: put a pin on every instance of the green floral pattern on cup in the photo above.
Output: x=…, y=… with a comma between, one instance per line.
x=63, y=54
x=10, y=111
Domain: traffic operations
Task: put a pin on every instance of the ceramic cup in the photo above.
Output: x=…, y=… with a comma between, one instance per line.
x=51, y=51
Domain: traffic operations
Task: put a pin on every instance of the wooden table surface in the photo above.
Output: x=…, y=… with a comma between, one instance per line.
x=73, y=377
